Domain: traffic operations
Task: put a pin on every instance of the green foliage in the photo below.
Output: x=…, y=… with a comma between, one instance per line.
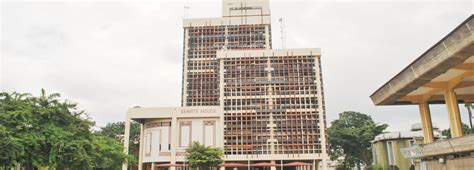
x=379, y=167
x=465, y=128
x=117, y=130
x=108, y=152
x=45, y=131
x=204, y=156
x=350, y=136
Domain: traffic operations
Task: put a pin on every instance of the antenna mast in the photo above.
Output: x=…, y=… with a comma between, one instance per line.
x=282, y=33
x=186, y=9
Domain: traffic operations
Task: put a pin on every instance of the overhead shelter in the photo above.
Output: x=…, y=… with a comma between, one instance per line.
x=444, y=74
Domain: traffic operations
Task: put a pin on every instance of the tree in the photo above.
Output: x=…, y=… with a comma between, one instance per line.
x=108, y=153
x=45, y=131
x=465, y=128
x=350, y=136
x=204, y=156
x=117, y=130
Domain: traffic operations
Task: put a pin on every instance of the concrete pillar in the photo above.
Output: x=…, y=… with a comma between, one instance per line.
x=426, y=125
x=174, y=141
x=140, y=151
x=315, y=165
x=273, y=167
x=324, y=164
x=126, y=139
x=453, y=112
x=153, y=166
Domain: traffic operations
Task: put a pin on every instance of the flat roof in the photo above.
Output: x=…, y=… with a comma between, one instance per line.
x=223, y=21
x=268, y=53
x=449, y=60
x=139, y=113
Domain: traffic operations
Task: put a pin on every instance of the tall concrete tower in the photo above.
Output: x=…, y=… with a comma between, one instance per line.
x=244, y=25
x=273, y=100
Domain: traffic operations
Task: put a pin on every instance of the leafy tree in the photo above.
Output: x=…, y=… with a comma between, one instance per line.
x=45, y=131
x=199, y=155
x=108, y=153
x=9, y=156
x=350, y=136
x=117, y=130
x=465, y=128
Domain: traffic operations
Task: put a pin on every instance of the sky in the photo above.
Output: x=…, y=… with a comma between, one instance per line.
x=110, y=55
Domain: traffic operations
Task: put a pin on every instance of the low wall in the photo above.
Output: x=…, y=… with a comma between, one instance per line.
x=463, y=163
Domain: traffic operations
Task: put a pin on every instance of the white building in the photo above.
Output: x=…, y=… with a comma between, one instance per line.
x=269, y=103
x=167, y=131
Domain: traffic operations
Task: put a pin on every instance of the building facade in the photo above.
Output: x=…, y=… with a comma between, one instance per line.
x=271, y=101
x=273, y=104
x=166, y=132
x=387, y=147
x=244, y=25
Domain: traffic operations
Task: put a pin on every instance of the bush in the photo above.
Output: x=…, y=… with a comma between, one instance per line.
x=379, y=167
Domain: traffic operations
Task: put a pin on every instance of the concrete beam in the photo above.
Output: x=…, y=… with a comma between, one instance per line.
x=450, y=51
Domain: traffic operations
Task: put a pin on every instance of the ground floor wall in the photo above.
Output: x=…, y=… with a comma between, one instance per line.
x=312, y=165
x=463, y=163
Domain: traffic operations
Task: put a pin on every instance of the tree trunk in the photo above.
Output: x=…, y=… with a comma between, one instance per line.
x=29, y=166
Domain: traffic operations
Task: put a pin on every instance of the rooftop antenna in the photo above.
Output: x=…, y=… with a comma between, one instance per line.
x=282, y=33
x=186, y=9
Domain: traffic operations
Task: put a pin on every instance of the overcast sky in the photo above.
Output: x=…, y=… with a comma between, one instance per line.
x=111, y=55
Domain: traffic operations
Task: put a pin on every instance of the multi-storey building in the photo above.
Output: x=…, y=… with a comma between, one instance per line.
x=245, y=25
x=273, y=105
x=270, y=103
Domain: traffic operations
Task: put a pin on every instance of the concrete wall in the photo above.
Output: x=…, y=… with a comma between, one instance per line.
x=466, y=163
x=382, y=158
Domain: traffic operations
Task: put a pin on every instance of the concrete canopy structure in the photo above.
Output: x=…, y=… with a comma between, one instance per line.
x=448, y=64
x=444, y=74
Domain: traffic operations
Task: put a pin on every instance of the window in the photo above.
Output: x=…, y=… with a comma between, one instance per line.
x=148, y=142
x=185, y=133
x=391, y=157
x=375, y=153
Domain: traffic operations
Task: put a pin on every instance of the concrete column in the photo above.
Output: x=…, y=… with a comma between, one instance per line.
x=426, y=125
x=140, y=151
x=321, y=113
x=153, y=166
x=273, y=167
x=267, y=37
x=315, y=165
x=126, y=140
x=453, y=112
x=324, y=164
x=174, y=140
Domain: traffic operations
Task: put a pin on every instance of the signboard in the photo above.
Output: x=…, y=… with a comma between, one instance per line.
x=413, y=151
x=199, y=110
